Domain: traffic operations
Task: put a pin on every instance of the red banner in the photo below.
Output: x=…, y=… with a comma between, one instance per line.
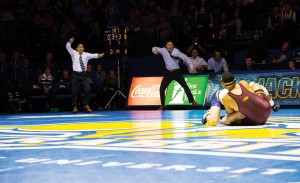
x=144, y=91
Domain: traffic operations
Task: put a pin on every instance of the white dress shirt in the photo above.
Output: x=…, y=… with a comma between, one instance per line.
x=75, y=58
x=171, y=63
x=198, y=61
x=217, y=65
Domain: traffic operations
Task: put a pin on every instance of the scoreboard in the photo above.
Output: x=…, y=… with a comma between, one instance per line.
x=116, y=41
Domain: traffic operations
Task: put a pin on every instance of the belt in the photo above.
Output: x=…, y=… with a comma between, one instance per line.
x=174, y=70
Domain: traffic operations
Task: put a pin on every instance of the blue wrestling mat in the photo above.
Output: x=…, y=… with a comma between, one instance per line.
x=147, y=146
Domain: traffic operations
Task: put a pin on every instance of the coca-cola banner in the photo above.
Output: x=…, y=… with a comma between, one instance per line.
x=144, y=91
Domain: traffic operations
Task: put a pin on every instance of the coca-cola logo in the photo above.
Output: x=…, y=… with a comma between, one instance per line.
x=145, y=92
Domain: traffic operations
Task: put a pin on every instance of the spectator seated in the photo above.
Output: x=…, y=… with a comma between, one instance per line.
x=15, y=102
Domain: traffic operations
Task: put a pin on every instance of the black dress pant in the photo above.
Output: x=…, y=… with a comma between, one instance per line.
x=167, y=79
x=83, y=79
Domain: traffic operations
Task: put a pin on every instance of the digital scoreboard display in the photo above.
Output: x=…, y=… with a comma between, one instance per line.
x=116, y=41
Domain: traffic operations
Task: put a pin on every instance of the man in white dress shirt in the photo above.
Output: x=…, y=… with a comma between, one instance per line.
x=199, y=63
x=80, y=76
x=217, y=63
x=172, y=58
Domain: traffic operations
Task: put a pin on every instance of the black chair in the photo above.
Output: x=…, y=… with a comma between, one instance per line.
x=38, y=100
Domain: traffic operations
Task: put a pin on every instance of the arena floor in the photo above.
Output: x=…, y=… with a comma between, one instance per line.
x=147, y=146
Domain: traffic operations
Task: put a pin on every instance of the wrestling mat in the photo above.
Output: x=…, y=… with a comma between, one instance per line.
x=147, y=146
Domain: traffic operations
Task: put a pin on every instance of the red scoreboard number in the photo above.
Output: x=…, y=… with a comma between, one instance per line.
x=116, y=40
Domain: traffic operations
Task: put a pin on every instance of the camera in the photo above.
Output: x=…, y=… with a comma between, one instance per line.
x=195, y=44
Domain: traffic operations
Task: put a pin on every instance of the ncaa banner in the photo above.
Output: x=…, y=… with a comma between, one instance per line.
x=196, y=83
x=283, y=85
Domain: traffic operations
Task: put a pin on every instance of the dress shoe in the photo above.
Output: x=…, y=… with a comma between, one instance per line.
x=161, y=107
x=195, y=103
x=75, y=110
x=87, y=108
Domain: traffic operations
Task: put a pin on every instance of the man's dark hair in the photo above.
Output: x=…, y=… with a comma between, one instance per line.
x=169, y=40
x=78, y=43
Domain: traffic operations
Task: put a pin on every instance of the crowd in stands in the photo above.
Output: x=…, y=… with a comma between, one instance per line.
x=33, y=34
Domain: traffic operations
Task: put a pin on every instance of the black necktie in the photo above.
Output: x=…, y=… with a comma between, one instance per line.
x=180, y=61
x=81, y=64
x=174, y=57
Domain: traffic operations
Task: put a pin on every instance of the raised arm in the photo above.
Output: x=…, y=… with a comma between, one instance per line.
x=156, y=50
x=68, y=45
x=95, y=55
